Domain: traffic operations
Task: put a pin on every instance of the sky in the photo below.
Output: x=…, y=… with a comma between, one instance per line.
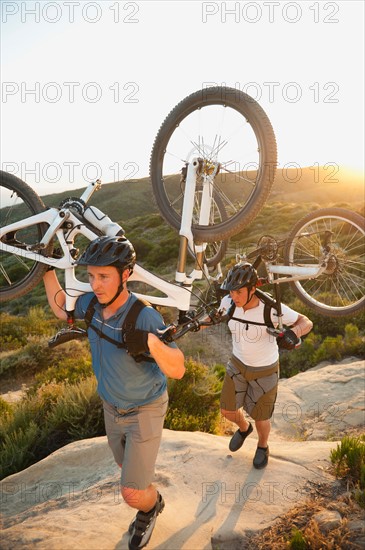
x=86, y=84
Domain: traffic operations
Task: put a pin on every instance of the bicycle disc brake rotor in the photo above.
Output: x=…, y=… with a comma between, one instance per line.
x=268, y=248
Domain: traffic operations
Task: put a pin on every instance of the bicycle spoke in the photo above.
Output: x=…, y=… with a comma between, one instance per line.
x=4, y=273
x=19, y=274
x=253, y=183
x=342, y=284
x=230, y=137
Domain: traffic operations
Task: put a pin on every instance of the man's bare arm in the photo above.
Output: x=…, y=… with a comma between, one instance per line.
x=55, y=294
x=302, y=326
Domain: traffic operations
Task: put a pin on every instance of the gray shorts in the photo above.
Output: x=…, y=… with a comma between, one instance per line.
x=134, y=439
x=253, y=388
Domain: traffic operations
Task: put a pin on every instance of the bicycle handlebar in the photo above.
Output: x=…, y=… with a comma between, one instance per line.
x=211, y=317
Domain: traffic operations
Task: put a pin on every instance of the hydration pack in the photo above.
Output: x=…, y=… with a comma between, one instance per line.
x=129, y=325
x=269, y=304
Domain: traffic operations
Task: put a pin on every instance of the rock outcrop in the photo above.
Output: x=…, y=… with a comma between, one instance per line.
x=214, y=498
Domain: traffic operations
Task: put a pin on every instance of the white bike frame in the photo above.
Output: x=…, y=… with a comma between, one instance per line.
x=177, y=295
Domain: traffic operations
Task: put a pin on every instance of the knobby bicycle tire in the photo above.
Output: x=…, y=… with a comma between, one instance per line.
x=339, y=291
x=253, y=131
x=18, y=275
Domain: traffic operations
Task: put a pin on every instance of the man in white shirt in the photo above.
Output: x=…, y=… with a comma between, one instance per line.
x=252, y=374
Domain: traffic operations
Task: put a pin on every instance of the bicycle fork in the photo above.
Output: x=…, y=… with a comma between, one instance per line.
x=194, y=168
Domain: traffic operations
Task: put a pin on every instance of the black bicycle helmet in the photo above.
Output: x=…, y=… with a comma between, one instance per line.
x=115, y=251
x=239, y=276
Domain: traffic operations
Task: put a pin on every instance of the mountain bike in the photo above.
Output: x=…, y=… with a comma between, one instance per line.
x=212, y=166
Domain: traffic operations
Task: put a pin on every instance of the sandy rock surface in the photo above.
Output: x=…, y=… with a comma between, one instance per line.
x=71, y=499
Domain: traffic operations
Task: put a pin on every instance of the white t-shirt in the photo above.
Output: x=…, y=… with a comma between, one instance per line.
x=252, y=344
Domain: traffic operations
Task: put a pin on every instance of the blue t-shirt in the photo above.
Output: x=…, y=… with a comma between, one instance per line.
x=121, y=380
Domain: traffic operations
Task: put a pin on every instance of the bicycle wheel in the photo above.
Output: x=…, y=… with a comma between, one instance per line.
x=219, y=125
x=214, y=251
x=338, y=233
x=18, y=274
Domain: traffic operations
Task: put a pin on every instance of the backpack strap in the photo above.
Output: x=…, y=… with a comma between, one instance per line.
x=89, y=317
x=129, y=324
x=90, y=311
x=269, y=304
x=267, y=316
x=231, y=310
x=132, y=315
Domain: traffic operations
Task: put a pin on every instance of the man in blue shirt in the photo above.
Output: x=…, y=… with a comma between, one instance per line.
x=134, y=393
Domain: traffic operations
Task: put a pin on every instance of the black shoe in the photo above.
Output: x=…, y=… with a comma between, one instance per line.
x=261, y=457
x=238, y=438
x=143, y=524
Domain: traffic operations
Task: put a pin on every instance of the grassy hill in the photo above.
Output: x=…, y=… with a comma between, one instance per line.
x=127, y=199
x=120, y=200
x=322, y=186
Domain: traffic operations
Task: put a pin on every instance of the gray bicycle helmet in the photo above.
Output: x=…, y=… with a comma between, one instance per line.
x=115, y=251
x=240, y=275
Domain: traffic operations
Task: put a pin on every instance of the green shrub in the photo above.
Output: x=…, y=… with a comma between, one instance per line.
x=349, y=463
x=16, y=329
x=31, y=408
x=73, y=369
x=166, y=251
x=194, y=400
x=78, y=411
x=298, y=542
x=12, y=334
x=36, y=322
x=315, y=349
x=154, y=220
x=359, y=494
x=142, y=246
x=322, y=324
x=332, y=348
x=55, y=415
x=301, y=359
x=34, y=356
x=16, y=449
x=220, y=371
x=5, y=407
x=349, y=460
x=70, y=361
x=354, y=343
x=21, y=430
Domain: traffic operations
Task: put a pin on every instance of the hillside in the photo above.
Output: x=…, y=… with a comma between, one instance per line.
x=121, y=200
x=294, y=193
x=321, y=186
x=130, y=198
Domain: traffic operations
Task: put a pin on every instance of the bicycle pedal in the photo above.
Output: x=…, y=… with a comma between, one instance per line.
x=67, y=334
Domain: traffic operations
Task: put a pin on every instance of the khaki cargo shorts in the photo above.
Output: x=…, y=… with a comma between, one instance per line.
x=253, y=388
x=134, y=439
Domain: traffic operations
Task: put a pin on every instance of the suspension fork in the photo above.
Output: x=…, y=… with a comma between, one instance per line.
x=204, y=217
x=186, y=235
x=208, y=171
